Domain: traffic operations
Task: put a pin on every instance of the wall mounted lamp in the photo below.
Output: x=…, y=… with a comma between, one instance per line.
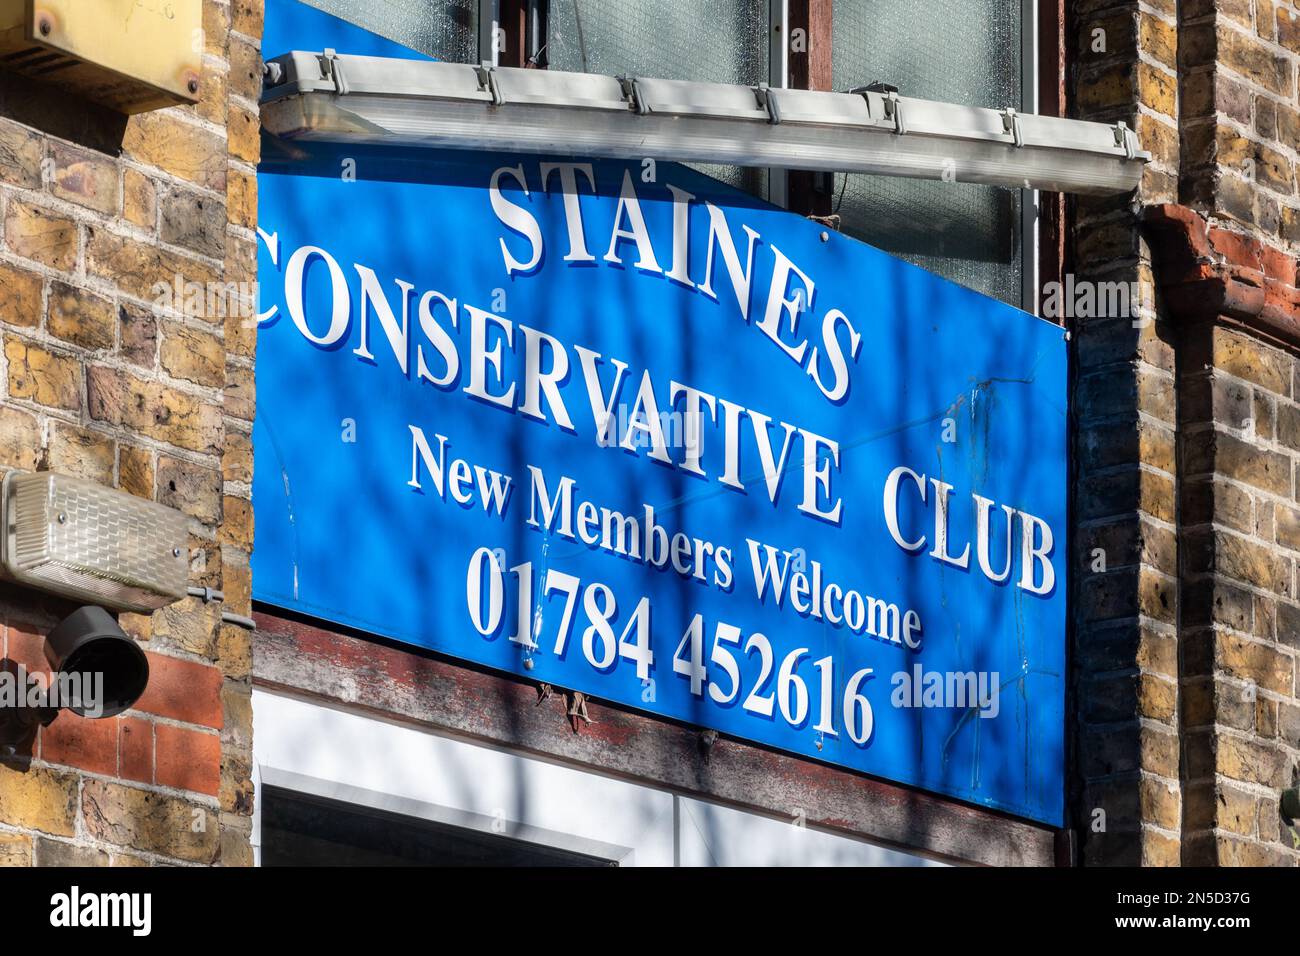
x=79, y=540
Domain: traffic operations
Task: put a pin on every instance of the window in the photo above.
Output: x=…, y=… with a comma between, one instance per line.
x=300, y=829
x=347, y=788
x=443, y=29
x=973, y=52
x=960, y=51
x=666, y=38
x=723, y=41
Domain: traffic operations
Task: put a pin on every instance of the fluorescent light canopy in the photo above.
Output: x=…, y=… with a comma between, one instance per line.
x=338, y=98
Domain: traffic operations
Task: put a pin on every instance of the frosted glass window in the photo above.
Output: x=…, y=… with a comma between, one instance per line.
x=960, y=51
x=442, y=29
x=706, y=41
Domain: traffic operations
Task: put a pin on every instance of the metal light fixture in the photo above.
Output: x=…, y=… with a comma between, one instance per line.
x=330, y=97
x=80, y=540
x=129, y=55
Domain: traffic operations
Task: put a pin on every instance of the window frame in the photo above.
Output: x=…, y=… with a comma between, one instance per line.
x=1042, y=58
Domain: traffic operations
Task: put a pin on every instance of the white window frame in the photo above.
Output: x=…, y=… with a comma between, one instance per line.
x=339, y=754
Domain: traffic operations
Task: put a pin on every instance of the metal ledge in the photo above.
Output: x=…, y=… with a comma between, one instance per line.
x=358, y=99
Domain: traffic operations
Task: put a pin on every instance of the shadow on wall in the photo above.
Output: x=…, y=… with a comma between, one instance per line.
x=61, y=113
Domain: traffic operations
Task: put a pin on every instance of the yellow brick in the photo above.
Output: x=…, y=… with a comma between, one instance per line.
x=236, y=582
x=20, y=439
x=156, y=410
x=1160, y=803
x=20, y=155
x=235, y=650
x=1159, y=39
x=193, y=355
x=81, y=317
x=135, y=471
x=1244, y=759
x=1160, y=850
x=245, y=69
x=1157, y=89
x=183, y=149
x=241, y=393
x=139, y=199
x=85, y=178
x=241, y=199
x=246, y=17
x=245, y=134
x=82, y=453
x=15, y=849
x=1288, y=29
x=143, y=271
x=216, y=27
x=237, y=523
x=20, y=296
x=213, y=94
x=237, y=458
x=1260, y=663
x=38, y=799
x=1253, y=60
x=40, y=234
x=45, y=377
x=154, y=822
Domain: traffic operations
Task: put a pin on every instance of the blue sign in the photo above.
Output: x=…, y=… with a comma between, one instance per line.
x=628, y=431
x=623, y=429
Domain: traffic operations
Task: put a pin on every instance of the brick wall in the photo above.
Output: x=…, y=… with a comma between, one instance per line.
x=1236, y=301
x=98, y=378
x=1126, y=785
x=1186, y=634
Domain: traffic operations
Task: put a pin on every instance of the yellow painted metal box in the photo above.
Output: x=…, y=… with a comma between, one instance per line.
x=131, y=55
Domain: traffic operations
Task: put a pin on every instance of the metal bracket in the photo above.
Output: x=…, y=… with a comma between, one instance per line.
x=893, y=105
x=707, y=739
x=1011, y=123
x=1125, y=139
x=577, y=709
x=894, y=111
x=331, y=69
x=487, y=82
x=767, y=100
x=632, y=90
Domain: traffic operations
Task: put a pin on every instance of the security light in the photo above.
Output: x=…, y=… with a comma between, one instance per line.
x=336, y=98
x=80, y=540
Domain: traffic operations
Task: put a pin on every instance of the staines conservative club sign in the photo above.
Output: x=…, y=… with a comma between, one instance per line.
x=626, y=430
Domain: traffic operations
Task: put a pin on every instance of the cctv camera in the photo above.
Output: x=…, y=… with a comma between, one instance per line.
x=97, y=672
x=89, y=647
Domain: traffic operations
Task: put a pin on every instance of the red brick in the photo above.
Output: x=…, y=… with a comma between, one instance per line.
x=80, y=742
x=1278, y=265
x=188, y=759
x=1237, y=249
x=27, y=647
x=135, y=746
x=182, y=690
